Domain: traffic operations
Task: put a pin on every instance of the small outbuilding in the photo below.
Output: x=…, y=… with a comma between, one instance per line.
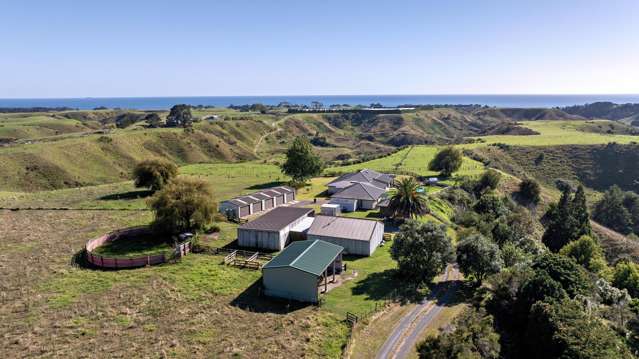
x=329, y=209
x=302, y=270
x=357, y=236
x=246, y=205
x=271, y=231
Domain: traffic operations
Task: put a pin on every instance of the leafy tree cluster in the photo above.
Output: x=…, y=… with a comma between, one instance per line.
x=472, y=336
x=567, y=220
x=530, y=191
x=447, y=161
x=422, y=251
x=618, y=210
x=488, y=181
x=180, y=116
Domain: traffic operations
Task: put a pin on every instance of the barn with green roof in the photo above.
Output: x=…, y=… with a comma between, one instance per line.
x=302, y=270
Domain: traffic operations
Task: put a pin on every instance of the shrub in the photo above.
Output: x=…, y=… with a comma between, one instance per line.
x=447, y=161
x=530, y=191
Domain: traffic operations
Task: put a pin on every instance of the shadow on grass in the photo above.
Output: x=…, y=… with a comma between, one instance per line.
x=387, y=285
x=126, y=195
x=252, y=299
x=267, y=185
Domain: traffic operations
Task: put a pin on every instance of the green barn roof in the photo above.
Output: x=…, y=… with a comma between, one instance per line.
x=308, y=256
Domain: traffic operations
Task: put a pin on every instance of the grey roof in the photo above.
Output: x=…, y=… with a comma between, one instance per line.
x=344, y=227
x=364, y=175
x=361, y=191
x=258, y=196
x=308, y=256
x=277, y=219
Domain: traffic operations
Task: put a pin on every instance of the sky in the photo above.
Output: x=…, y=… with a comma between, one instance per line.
x=57, y=49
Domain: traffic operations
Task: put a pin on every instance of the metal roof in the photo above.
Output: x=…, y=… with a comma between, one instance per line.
x=277, y=218
x=364, y=175
x=344, y=227
x=308, y=256
x=258, y=196
x=362, y=191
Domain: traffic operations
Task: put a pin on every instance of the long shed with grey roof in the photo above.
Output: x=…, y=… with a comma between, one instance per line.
x=357, y=236
x=298, y=271
x=263, y=200
x=271, y=230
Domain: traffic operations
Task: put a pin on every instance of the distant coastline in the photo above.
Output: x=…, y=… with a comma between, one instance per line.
x=162, y=103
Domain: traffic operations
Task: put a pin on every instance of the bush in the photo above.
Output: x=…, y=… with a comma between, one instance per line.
x=530, y=191
x=478, y=256
x=154, y=174
x=626, y=276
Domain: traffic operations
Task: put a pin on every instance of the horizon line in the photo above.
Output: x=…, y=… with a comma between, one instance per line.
x=324, y=95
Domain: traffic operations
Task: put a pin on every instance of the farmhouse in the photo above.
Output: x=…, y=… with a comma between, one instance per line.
x=357, y=236
x=298, y=271
x=243, y=206
x=359, y=195
x=272, y=230
x=374, y=178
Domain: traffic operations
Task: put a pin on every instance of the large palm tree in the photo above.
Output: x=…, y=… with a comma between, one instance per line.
x=405, y=199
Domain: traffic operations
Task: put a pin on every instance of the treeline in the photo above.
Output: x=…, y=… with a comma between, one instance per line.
x=606, y=110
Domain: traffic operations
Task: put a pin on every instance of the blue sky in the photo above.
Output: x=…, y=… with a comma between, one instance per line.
x=171, y=48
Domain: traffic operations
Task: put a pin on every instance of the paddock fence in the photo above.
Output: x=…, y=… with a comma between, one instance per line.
x=113, y=262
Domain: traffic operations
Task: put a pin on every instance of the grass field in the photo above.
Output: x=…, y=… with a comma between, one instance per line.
x=195, y=308
x=413, y=159
x=554, y=133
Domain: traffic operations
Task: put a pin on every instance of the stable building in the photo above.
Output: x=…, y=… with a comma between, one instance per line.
x=264, y=200
x=272, y=230
x=302, y=271
x=357, y=236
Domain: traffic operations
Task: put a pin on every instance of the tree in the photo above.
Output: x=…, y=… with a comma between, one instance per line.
x=631, y=202
x=539, y=287
x=301, y=161
x=154, y=174
x=626, y=276
x=565, y=271
x=473, y=336
x=405, y=200
x=422, y=250
x=567, y=220
x=446, y=161
x=530, y=191
x=488, y=181
x=180, y=116
x=490, y=205
x=586, y=252
x=579, y=211
x=611, y=212
x=184, y=205
x=153, y=120
x=479, y=257
x=563, y=329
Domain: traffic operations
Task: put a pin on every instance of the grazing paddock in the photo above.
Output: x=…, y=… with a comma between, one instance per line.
x=52, y=308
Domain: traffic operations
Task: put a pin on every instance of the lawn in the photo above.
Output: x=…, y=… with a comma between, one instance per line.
x=374, y=282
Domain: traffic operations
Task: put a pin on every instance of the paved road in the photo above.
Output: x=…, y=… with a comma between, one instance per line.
x=403, y=339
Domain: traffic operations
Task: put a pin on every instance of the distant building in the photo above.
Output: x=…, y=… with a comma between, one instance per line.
x=243, y=206
x=272, y=230
x=302, y=270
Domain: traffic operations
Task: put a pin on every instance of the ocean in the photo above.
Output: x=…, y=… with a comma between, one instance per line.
x=162, y=103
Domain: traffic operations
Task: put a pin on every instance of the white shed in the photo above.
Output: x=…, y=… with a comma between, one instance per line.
x=357, y=236
x=271, y=231
x=329, y=209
